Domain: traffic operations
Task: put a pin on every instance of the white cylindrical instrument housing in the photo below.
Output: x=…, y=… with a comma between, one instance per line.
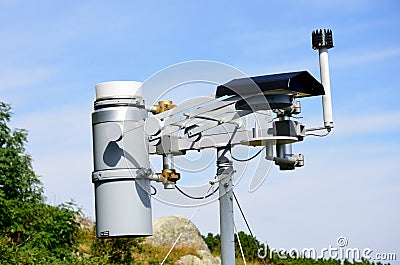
x=122, y=194
x=326, y=82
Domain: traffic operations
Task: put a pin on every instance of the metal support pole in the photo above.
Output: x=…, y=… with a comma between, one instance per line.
x=225, y=175
x=326, y=82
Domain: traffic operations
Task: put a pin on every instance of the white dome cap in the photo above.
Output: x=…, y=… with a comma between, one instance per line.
x=119, y=89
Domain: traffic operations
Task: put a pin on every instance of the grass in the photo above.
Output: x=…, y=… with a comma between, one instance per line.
x=108, y=251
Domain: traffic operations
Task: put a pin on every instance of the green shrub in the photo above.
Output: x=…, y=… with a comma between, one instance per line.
x=31, y=231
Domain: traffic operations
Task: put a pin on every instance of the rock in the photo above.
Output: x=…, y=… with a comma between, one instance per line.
x=207, y=258
x=167, y=229
x=189, y=260
x=193, y=260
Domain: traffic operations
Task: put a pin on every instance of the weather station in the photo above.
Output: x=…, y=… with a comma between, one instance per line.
x=126, y=132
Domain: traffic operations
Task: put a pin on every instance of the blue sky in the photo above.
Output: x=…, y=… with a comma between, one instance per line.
x=53, y=53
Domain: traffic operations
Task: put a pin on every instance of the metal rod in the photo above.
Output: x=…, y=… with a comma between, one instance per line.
x=315, y=129
x=225, y=174
x=269, y=150
x=168, y=161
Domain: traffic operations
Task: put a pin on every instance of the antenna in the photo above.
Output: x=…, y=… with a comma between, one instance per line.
x=322, y=41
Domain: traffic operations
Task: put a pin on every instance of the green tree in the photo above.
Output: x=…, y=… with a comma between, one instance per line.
x=17, y=179
x=214, y=243
x=250, y=246
x=31, y=231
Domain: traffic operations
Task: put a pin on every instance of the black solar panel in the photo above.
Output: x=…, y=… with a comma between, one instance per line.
x=299, y=84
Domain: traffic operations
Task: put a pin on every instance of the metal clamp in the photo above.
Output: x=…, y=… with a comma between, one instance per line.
x=170, y=175
x=163, y=105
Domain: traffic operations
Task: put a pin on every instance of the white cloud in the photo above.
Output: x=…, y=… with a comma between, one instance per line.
x=361, y=57
x=12, y=78
x=367, y=123
x=68, y=126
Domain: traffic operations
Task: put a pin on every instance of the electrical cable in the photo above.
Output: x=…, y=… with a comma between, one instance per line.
x=318, y=135
x=297, y=117
x=247, y=224
x=250, y=158
x=183, y=230
x=155, y=190
x=196, y=198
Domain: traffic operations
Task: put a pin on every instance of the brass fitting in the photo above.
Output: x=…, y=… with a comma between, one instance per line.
x=170, y=175
x=164, y=105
